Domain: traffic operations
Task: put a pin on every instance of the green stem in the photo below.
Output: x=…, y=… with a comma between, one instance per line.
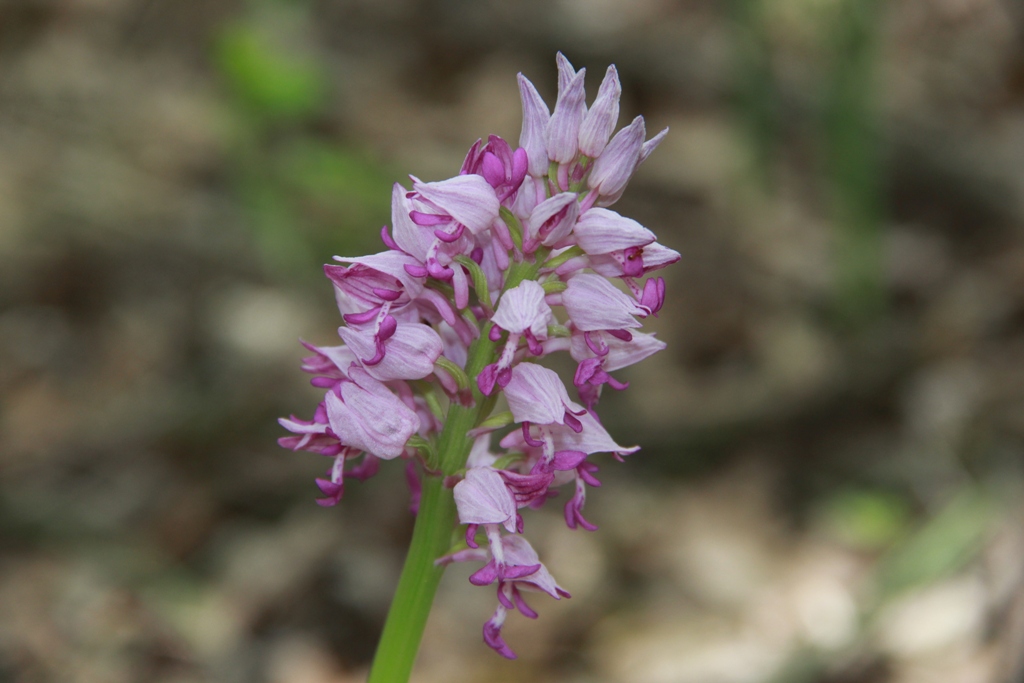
x=431, y=537
x=432, y=534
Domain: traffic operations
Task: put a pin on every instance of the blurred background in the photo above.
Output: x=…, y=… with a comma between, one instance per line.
x=830, y=484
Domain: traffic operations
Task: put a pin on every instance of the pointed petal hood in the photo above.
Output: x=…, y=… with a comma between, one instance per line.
x=534, y=138
x=536, y=394
x=600, y=121
x=564, y=126
x=612, y=170
x=483, y=498
x=602, y=231
x=523, y=308
x=594, y=303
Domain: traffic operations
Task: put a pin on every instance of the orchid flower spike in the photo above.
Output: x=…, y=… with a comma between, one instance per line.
x=484, y=275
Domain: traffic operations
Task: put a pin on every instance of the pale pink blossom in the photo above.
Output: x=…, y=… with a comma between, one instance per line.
x=365, y=414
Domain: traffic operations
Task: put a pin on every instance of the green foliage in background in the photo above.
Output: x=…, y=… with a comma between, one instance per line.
x=271, y=81
x=852, y=153
x=306, y=197
x=864, y=519
x=756, y=93
x=840, y=122
x=942, y=545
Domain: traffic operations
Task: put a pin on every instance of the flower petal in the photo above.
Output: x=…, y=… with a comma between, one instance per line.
x=469, y=199
x=593, y=303
x=600, y=121
x=523, y=308
x=533, y=137
x=409, y=353
x=536, y=394
x=369, y=417
x=602, y=231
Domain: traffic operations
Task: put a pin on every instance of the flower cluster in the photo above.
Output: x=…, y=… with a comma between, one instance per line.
x=461, y=307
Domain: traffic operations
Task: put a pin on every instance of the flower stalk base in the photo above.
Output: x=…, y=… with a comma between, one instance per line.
x=410, y=607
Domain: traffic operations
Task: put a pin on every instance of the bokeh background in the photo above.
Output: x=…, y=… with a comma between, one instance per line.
x=830, y=485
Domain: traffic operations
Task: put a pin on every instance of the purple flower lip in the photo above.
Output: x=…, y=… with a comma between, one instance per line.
x=452, y=236
x=653, y=297
x=429, y=219
x=386, y=294
x=529, y=439
x=361, y=318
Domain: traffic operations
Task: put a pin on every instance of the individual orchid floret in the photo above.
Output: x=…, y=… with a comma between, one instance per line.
x=615, y=182
x=592, y=438
x=600, y=121
x=522, y=311
x=639, y=260
x=316, y=436
x=365, y=414
x=408, y=351
x=522, y=565
x=602, y=232
x=517, y=553
x=465, y=201
x=483, y=498
x=372, y=283
x=615, y=353
x=551, y=221
x=328, y=364
x=502, y=168
x=613, y=169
